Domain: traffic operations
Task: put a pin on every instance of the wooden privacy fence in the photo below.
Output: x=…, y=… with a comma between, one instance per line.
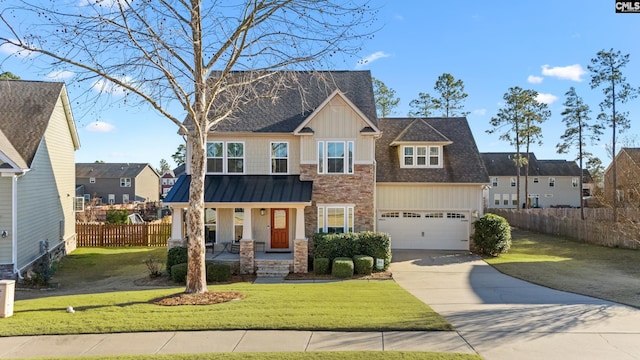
x=115, y=235
x=602, y=232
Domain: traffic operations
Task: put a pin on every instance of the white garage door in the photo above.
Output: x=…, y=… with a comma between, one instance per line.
x=433, y=230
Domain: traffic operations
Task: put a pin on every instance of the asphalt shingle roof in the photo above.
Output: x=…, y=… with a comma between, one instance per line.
x=501, y=164
x=420, y=131
x=461, y=159
x=109, y=170
x=293, y=103
x=25, y=110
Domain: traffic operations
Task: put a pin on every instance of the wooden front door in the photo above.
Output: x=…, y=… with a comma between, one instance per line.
x=279, y=228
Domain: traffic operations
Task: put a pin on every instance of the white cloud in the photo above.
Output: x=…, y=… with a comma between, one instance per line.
x=398, y=17
x=100, y=126
x=371, y=58
x=104, y=86
x=60, y=75
x=10, y=49
x=546, y=98
x=480, y=112
x=535, y=79
x=571, y=72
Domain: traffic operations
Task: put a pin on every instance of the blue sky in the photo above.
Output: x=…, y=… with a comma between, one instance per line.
x=544, y=45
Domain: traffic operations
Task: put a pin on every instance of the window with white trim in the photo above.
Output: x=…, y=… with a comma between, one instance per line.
x=505, y=199
x=125, y=198
x=225, y=157
x=496, y=199
x=421, y=156
x=279, y=157
x=92, y=180
x=512, y=181
x=494, y=182
x=575, y=182
x=552, y=182
x=335, y=157
x=333, y=219
x=125, y=182
x=514, y=199
x=78, y=203
x=536, y=180
x=111, y=199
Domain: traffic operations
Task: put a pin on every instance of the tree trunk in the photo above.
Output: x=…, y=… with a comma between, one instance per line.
x=196, y=271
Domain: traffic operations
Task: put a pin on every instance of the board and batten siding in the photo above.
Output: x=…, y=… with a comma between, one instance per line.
x=337, y=121
x=46, y=193
x=5, y=219
x=428, y=197
x=258, y=151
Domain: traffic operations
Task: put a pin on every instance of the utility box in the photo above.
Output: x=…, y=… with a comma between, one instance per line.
x=7, y=291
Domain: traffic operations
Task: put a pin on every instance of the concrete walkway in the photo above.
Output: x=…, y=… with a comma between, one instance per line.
x=505, y=318
x=194, y=342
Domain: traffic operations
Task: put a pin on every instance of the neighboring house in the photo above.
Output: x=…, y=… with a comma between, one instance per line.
x=118, y=183
x=286, y=168
x=429, y=182
x=166, y=182
x=588, y=184
x=38, y=139
x=627, y=176
x=552, y=183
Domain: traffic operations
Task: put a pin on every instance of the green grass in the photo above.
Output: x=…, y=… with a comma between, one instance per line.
x=353, y=305
x=329, y=355
x=607, y=273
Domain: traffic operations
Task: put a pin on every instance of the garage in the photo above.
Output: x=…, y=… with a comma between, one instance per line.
x=430, y=230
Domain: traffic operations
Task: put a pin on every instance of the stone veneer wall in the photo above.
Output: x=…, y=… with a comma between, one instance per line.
x=357, y=188
x=300, y=256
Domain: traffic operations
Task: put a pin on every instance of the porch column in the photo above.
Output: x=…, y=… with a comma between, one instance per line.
x=300, y=244
x=247, y=226
x=247, y=247
x=177, y=229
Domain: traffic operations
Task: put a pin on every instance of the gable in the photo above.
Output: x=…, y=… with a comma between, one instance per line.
x=337, y=117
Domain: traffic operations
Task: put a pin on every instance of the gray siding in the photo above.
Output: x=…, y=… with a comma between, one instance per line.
x=562, y=194
x=5, y=219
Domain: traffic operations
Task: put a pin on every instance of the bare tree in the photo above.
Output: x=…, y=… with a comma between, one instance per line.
x=187, y=55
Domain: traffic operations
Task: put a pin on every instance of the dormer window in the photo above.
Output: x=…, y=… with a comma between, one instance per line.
x=421, y=156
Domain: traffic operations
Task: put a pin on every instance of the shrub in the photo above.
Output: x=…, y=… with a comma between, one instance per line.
x=176, y=255
x=218, y=272
x=331, y=246
x=179, y=273
x=492, y=235
x=321, y=266
x=376, y=245
x=363, y=264
x=154, y=265
x=115, y=216
x=342, y=268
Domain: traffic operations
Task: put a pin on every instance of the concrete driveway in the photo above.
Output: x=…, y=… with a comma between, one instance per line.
x=505, y=318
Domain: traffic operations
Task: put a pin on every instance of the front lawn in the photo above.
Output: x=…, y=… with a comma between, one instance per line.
x=607, y=273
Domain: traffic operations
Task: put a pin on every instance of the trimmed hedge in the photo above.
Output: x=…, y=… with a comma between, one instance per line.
x=342, y=268
x=321, y=266
x=176, y=255
x=179, y=273
x=218, y=272
x=363, y=264
x=492, y=235
x=332, y=246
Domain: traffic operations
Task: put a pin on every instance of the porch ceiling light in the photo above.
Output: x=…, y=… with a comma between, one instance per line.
x=263, y=212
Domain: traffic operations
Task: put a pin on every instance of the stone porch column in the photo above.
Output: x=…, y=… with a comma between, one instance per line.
x=177, y=229
x=300, y=244
x=247, y=256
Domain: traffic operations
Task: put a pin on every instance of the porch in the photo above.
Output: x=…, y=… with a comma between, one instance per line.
x=264, y=263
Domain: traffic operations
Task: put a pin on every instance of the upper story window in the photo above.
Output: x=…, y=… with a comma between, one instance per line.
x=494, y=182
x=421, y=156
x=512, y=181
x=575, y=182
x=279, y=158
x=225, y=157
x=335, y=157
x=125, y=182
x=164, y=181
x=92, y=180
x=536, y=180
x=552, y=182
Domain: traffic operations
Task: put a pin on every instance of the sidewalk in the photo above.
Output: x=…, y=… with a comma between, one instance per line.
x=184, y=342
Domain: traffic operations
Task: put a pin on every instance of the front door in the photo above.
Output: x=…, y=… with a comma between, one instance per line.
x=279, y=228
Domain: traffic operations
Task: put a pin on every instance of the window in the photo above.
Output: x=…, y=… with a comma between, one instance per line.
x=125, y=198
x=279, y=158
x=390, y=215
x=92, y=180
x=410, y=215
x=456, y=216
x=335, y=219
x=238, y=223
x=512, y=181
x=125, y=182
x=335, y=157
x=505, y=199
x=421, y=156
x=575, y=182
x=210, y=224
x=78, y=203
x=164, y=181
x=437, y=215
x=112, y=199
x=494, y=182
x=87, y=198
x=514, y=199
x=496, y=199
x=225, y=158
x=536, y=180
x=552, y=182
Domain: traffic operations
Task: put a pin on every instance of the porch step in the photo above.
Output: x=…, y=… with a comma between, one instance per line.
x=272, y=269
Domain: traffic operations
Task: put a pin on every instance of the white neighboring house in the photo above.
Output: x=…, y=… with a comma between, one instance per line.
x=552, y=183
x=38, y=139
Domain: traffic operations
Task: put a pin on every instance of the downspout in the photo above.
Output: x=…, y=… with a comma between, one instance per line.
x=14, y=222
